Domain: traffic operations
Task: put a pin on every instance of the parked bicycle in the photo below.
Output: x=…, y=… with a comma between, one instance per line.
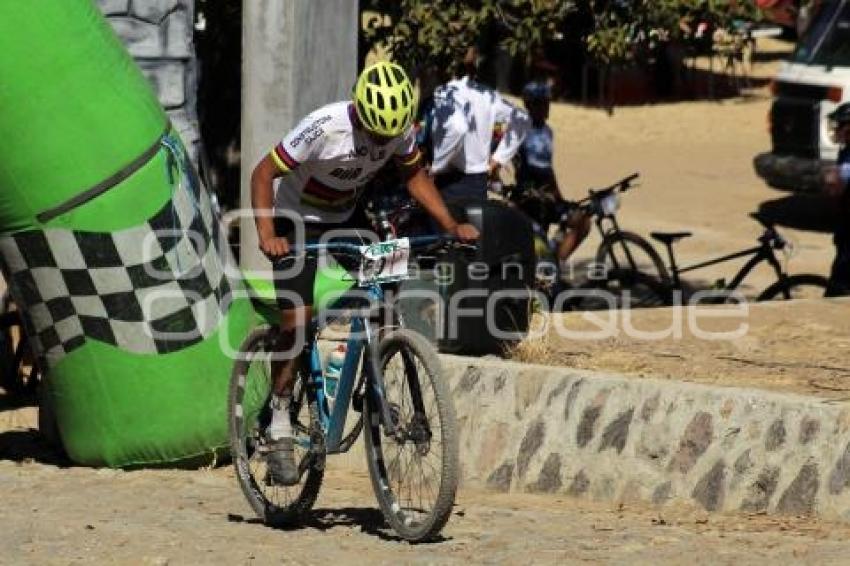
x=801, y=285
x=625, y=269
x=391, y=376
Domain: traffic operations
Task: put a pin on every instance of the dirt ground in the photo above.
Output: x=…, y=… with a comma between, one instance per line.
x=696, y=164
x=797, y=346
x=53, y=515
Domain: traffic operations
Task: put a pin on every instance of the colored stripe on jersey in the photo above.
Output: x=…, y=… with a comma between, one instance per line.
x=410, y=159
x=323, y=197
x=282, y=159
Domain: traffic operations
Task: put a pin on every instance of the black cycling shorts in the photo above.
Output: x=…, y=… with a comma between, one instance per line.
x=295, y=274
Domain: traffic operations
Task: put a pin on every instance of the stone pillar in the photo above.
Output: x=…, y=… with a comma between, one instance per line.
x=297, y=55
x=159, y=34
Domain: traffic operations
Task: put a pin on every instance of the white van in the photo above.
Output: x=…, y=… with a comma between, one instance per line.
x=809, y=86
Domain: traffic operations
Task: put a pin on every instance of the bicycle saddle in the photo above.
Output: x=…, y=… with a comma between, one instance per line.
x=670, y=237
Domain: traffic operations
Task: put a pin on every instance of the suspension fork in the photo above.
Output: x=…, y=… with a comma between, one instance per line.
x=377, y=387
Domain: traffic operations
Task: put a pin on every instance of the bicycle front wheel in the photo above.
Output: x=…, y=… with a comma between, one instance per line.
x=625, y=251
x=800, y=286
x=415, y=471
x=249, y=416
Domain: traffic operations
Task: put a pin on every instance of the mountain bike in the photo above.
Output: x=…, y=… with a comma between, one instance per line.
x=801, y=285
x=391, y=376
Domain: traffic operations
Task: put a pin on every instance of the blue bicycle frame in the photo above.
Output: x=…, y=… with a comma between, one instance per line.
x=360, y=342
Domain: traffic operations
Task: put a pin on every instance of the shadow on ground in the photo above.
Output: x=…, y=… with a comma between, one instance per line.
x=369, y=519
x=29, y=446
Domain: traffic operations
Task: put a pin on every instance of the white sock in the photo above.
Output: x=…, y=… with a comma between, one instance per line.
x=280, y=426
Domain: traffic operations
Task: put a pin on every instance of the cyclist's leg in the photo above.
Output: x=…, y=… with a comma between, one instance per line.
x=294, y=278
x=839, y=277
x=578, y=226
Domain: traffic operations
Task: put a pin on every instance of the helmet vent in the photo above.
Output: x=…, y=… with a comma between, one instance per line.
x=399, y=76
x=374, y=78
x=404, y=98
x=382, y=122
x=380, y=98
x=369, y=96
x=393, y=103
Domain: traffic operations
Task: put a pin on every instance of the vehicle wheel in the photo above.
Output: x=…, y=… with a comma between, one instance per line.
x=250, y=386
x=415, y=472
x=800, y=286
x=626, y=251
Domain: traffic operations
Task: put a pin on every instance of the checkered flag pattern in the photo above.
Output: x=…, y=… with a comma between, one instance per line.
x=155, y=288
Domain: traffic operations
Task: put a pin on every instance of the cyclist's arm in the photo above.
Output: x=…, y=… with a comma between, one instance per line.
x=516, y=127
x=422, y=189
x=262, y=197
x=300, y=145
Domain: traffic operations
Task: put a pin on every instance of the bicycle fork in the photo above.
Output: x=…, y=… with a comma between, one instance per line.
x=377, y=389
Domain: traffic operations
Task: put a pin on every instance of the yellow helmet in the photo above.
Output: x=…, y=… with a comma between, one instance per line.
x=384, y=99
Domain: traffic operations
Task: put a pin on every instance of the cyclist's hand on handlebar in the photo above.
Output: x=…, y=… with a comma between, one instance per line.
x=274, y=248
x=466, y=233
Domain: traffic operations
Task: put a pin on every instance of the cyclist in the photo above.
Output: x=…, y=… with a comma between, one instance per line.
x=323, y=164
x=534, y=172
x=837, y=182
x=464, y=116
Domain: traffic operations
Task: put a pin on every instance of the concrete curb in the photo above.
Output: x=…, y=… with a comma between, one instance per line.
x=527, y=428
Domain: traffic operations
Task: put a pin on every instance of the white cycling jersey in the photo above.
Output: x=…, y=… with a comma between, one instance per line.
x=465, y=113
x=327, y=159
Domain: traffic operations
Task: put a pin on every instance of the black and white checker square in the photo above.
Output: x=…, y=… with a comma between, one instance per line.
x=154, y=288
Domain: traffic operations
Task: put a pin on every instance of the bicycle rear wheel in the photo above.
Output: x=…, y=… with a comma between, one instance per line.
x=251, y=380
x=800, y=286
x=414, y=472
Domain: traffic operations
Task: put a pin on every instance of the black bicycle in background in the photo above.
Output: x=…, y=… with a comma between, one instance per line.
x=786, y=286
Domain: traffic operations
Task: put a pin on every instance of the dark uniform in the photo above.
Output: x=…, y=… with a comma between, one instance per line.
x=839, y=277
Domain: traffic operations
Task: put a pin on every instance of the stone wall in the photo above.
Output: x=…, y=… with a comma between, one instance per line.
x=526, y=428
x=159, y=35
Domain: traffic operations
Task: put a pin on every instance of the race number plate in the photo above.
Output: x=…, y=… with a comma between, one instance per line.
x=384, y=262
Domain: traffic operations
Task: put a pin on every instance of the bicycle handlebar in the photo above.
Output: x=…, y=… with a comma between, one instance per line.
x=354, y=249
x=622, y=185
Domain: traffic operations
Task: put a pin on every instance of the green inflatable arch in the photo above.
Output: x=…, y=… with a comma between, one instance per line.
x=110, y=246
x=112, y=250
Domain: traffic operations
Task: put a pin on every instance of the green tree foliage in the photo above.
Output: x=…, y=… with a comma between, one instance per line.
x=438, y=31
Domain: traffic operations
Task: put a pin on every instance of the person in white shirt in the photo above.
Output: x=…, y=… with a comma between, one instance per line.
x=465, y=113
x=322, y=166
